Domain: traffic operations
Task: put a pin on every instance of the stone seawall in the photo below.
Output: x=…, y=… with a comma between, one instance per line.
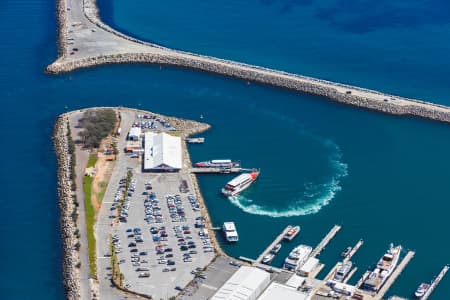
x=70, y=255
x=278, y=79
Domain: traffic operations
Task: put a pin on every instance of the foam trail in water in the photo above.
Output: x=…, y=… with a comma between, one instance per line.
x=316, y=195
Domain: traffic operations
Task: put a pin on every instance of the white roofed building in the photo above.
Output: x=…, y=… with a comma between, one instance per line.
x=162, y=152
x=134, y=134
x=277, y=291
x=246, y=284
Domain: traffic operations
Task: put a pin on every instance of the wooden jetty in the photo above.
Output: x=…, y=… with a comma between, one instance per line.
x=390, y=281
x=354, y=250
x=215, y=170
x=325, y=240
x=277, y=240
x=435, y=283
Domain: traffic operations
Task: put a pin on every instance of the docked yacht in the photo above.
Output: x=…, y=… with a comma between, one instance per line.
x=383, y=269
x=267, y=259
x=342, y=271
x=292, y=233
x=297, y=257
x=276, y=249
x=421, y=290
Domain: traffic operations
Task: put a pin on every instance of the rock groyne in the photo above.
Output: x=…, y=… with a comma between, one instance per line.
x=383, y=102
x=95, y=43
x=70, y=257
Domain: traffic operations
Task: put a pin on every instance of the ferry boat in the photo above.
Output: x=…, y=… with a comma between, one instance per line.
x=218, y=163
x=239, y=183
x=421, y=290
x=229, y=229
x=297, y=257
x=342, y=271
x=383, y=269
x=267, y=259
x=276, y=249
x=292, y=233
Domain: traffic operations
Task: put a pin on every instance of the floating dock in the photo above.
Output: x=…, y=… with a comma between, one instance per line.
x=390, y=281
x=354, y=250
x=277, y=240
x=215, y=170
x=324, y=242
x=435, y=283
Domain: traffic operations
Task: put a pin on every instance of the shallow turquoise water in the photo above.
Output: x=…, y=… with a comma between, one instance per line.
x=384, y=178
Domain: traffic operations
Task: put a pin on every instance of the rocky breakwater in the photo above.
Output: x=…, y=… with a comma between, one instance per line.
x=372, y=100
x=66, y=205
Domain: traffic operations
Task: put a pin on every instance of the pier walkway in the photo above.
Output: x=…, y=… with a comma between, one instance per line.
x=435, y=283
x=390, y=281
x=85, y=41
x=324, y=242
x=277, y=240
x=354, y=250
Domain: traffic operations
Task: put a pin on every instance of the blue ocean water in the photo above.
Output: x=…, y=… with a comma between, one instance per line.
x=384, y=178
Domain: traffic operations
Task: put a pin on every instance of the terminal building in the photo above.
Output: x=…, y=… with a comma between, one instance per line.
x=162, y=152
x=246, y=284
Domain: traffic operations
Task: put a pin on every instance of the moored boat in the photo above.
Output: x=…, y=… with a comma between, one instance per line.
x=276, y=249
x=346, y=252
x=292, y=233
x=218, y=163
x=383, y=269
x=267, y=259
x=342, y=271
x=297, y=257
x=239, y=183
x=421, y=290
x=229, y=229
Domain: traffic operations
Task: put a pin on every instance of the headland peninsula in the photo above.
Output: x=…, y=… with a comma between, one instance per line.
x=85, y=41
x=134, y=223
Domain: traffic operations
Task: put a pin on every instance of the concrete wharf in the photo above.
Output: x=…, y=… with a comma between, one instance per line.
x=354, y=250
x=85, y=41
x=215, y=170
x=325, y=240
x=277, y=240
x=435, y=283
x=390, y=281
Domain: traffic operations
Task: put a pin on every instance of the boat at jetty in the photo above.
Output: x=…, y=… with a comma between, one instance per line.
x=346, y=252
x=421, y=290
x=239, y=183
x=276, y=249
x=267, y=259
x=292, y=233
x=229, y=229
x=218, y=163
x=383, y=269
x=342, y=271
x=297, y=257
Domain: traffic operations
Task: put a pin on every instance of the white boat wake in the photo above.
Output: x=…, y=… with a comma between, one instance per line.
x=315, y=195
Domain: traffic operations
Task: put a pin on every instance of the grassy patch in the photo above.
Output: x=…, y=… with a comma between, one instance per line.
x=102, y=189
x=90, y=219
x=92, y=160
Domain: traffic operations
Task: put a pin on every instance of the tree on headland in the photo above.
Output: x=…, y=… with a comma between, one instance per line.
x=96, y=124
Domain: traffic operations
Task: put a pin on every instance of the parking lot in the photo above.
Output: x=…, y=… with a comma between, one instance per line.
x=217, y=273
x=157, y=239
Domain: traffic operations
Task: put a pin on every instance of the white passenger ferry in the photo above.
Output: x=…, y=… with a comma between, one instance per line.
x=239, y=183
x=229, y=229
